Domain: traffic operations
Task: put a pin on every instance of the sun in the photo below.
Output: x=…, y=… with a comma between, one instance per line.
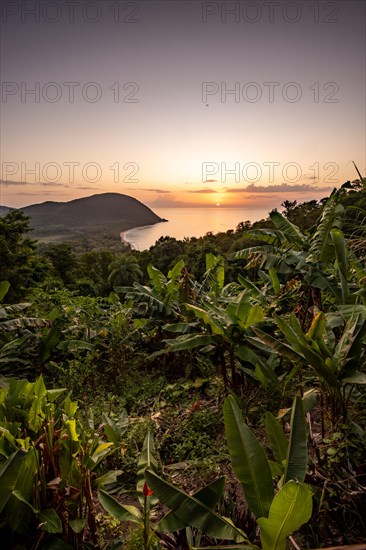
x=217, y=204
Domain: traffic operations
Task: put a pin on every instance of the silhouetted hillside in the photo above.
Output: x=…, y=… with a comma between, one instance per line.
x=107, y=215
x=4, y=210
x=92, y=211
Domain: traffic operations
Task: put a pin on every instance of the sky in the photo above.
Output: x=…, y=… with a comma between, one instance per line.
x=181, y=103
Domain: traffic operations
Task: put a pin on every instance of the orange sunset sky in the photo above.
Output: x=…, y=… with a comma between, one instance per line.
x=182, y=103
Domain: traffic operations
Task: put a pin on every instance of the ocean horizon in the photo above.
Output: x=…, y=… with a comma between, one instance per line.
x=191, y=222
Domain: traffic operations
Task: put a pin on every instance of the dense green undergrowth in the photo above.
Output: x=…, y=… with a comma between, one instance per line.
x=204, y=394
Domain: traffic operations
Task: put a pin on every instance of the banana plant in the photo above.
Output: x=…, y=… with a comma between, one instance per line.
x=336, y=363
x=17, y=341
x=8, y=314
x=214, y=277
x=193, y=510
x=291, y=508
x=151, y=306
x=48, y=464
x=319, y=257
x=160, y=300
x=186, y=510
x=278, y=515
x=147, y=479
x=286, y=247
x=27, y=342
x=220, y=329
x=141, y=515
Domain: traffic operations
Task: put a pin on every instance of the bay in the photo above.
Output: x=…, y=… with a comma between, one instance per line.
x=191, y=222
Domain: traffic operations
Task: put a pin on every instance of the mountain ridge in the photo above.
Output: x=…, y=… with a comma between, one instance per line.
x=108, y=212
x=92, y=210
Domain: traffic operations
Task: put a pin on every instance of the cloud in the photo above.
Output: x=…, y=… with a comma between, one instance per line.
x=260, y=197
x=165, y=202
x=210, y=181
x=6, y=183
x=9, y=182
x=160, y=191
x=85, y=187
x=281, y=188
x=172, y=202
x=23, y=194
x=206, y=190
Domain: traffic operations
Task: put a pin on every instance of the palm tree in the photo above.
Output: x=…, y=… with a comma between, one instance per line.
x=124, y=271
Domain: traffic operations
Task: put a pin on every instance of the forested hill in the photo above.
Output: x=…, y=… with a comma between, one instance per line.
x=90, y=211
x=105, y=214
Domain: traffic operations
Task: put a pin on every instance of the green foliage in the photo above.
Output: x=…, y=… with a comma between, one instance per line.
x=336, y=365
x=165, y=253
x=124, y=271
x=139, y=516
x=49, y=464
x=20, y=265
x=17, y=337
x=135, y=541
x=81, y=373
x=94, y=267
x=279, y=514
x=198, y=436
x=284, y=315
x=193, y=511
x=63, y=261
x=276, y=438
x=304, y=215
x=296, y=459
x=249, y=461
x=290, y=508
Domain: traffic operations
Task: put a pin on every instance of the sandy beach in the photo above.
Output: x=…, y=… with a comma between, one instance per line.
x=124, y=234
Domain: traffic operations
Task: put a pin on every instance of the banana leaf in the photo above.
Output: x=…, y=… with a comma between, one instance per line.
x=317, y=327
x=290, y=231
x=339, y=244
x=297, y=455
x=277, y=440
x=50, y=521
x=276, y=345
x=146, y=460
x=249, y=460
x=4, y=287
x=254, y=290
x=188, y=341
x=322, y=249
x=291, y=508
x=193, y=512
x=123, y=512
x=9, y=473
x=275, y=280
x=208, y=495
x=226, y=547
x=208, y=319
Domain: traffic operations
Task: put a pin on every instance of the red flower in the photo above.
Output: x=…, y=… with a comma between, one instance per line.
x=146, y=490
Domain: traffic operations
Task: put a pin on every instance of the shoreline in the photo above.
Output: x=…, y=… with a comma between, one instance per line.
x=123, y=234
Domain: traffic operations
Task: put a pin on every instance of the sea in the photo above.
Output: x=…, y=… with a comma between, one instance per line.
x=191, y=222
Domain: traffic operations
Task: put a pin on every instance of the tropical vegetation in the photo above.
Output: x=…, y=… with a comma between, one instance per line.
x=205, y=393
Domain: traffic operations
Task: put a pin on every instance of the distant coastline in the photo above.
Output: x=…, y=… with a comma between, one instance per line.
x=123, y=234
x=186, y=223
